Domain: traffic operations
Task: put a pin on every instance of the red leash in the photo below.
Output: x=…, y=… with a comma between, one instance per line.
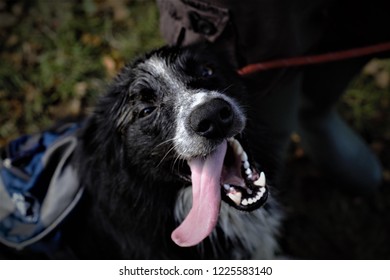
x=313, y=59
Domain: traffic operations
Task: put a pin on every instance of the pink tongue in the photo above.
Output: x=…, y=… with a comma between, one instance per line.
x=206, y=199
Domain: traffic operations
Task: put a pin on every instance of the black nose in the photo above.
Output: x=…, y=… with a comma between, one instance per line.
x=213, y=119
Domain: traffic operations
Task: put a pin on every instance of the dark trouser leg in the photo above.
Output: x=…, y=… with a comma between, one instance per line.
x=274, y=113
x=328, y=140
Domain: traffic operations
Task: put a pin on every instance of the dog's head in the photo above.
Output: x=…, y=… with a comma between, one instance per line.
x=182, y=111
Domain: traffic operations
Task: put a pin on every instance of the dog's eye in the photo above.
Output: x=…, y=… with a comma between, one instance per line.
x=206, y=71
x=146, y=111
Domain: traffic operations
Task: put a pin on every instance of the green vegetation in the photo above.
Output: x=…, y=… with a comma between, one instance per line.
x=57, y=56
x=366, y=103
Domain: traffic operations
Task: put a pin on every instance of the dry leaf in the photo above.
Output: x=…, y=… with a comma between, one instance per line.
x=299, y=153
x=80, y=89
x=119, y=9
x=372, y=67
x=110, y=65
x=90, y=39
x=63, y=110
x=295, y=138
x=382, y=79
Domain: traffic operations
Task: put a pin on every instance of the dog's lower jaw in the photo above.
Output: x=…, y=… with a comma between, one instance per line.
x=253, y=236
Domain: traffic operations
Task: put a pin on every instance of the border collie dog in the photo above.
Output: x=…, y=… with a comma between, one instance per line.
x=166, y=165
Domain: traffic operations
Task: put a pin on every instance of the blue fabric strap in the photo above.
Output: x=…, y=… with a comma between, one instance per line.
x=38, y=186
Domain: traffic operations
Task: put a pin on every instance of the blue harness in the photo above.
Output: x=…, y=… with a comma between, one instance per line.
x=38, y=186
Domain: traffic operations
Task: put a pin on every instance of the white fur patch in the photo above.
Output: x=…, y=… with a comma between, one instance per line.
x=186, y=143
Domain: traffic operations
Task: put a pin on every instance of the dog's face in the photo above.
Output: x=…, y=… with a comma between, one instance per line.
x=182, y=111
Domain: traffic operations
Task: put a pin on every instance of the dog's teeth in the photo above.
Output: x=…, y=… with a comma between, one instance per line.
x=261, y=181
x=250, y=200
x=237, y=147
x=244, y=202
x=236, y=197
x=244, y=157
x=246, y=165
x=232, y=142
x=248, y=171
x=226, y=187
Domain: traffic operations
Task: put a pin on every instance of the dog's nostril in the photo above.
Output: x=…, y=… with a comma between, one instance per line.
x=204, y=126
x=225, y=114
x=213, y=119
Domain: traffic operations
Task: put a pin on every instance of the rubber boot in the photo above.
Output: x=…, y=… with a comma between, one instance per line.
x=341, y=153
x=330, y=143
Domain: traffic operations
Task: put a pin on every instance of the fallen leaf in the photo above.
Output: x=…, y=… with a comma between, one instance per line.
x=91, y=40
x=382, y=79
x=119, y=9
x=110, y=65
x=295, y=138
x=67, y=109
x=80, y=89
x=372, y=67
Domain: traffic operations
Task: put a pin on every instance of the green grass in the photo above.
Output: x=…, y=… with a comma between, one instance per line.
x=58, y=56
x=366, y=104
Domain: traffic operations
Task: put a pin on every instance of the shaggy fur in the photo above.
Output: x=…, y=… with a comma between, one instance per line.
x=132, y=155
x=132, y=161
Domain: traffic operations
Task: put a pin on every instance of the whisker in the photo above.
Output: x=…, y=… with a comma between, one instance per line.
x=164, y=142
x=177, y=159
x=226, y=88
x=166, y=154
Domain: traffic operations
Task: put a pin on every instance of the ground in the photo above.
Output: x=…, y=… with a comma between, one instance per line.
x=57, y=56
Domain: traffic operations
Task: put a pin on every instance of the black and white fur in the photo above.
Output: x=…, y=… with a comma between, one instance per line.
x=131, y=159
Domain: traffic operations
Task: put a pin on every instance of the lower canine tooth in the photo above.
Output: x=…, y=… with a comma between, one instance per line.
x=236, y=197
x=238, y=148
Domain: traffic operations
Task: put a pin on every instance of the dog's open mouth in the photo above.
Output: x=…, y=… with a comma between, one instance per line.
x=243, y=186
x=225, y=174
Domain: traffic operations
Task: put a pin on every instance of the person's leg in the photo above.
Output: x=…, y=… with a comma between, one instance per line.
x=244, y=34
x=328, y=140
x=264, y=30
x=273, y=117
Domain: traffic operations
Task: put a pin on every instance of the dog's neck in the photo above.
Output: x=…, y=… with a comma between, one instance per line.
x=120, y=209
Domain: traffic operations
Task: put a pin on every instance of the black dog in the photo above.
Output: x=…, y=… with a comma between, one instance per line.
x=173, y=119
